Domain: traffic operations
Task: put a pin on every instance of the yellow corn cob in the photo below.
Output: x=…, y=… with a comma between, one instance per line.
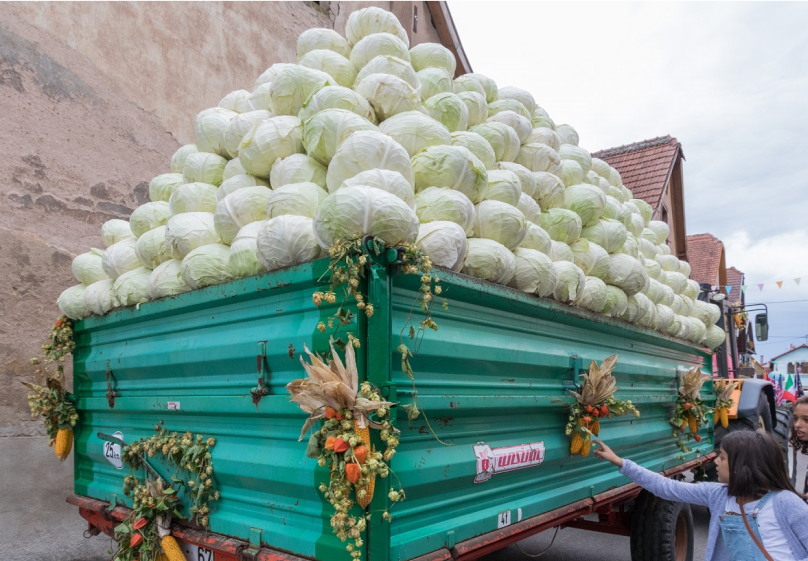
x=683, y=425
x=596, y=427
x=577, y=441
x=716, y=415
x=161, y=557
x=171, y=549
x=63, y=444
x=364, y=434
x=587, y=445
x=694, y=426
x=724, y=417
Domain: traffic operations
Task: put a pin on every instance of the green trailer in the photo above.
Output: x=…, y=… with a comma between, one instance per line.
x=487, y=464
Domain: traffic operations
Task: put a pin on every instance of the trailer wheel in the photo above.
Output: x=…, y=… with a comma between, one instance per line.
x=661, y=530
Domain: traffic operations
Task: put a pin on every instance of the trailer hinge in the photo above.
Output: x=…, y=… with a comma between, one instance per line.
x=251, y=552
x=263, y=373
x=111, y=393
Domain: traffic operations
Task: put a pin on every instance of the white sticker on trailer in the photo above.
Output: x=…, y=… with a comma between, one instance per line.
x=112, y=451
x=504, y=519
x=196, y=553
x=174, y=406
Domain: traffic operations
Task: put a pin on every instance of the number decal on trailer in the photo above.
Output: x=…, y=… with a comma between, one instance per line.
x=504, y=519
x=112, y=451
x=196, y=553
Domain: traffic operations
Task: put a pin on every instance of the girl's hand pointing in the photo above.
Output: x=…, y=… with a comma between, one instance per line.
x=603, y=452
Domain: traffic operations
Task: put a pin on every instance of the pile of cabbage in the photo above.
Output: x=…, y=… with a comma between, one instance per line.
x=367, y=136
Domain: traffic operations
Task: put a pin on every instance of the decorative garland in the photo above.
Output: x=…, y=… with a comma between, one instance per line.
x=723, y=401
x=146, y=532
x=595, y=402
x=51, y=401
x=690, y=410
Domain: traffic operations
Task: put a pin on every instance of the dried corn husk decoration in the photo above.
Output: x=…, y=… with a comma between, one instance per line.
x=723, y=400
x=690, y=411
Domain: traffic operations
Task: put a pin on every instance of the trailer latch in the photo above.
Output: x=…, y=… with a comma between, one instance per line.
x=251, y=552
x=570, y=383
x=111, y=393
x=263, y=373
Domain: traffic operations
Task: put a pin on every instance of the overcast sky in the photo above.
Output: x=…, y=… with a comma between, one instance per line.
x=728, y=80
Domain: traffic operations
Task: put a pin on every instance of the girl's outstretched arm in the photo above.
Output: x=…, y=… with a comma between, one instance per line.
x=663, y=487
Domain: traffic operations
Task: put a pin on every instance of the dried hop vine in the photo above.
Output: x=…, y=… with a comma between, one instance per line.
x=51, y=401
x=332, y=393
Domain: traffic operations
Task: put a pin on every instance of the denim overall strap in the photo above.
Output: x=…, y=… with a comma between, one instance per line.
x=739, y=544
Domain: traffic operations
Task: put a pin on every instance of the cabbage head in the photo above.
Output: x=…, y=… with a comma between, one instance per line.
x=237, y=101
x=520, y=95
x=489, y=260
x=549, y=190
x=337, y=97
x=684, y=268
x=636, y=307
x=649, y=236
x=353, y=212
x=338, y=67
x=648, y=250
x=287, y=240
x=527, y=178
x=538, y=157
x=120, y=257
x=687, y=305
x=388, y=95
x=585, y=200
x=132, y=287
x=668, y=262
x=655, y=292
x=238, y=182
x=504, y=186
x=322, y=38
x=415, y=131
x=162, y=186
x=601, y=168
x=714, y=337
x=616, y=302
x=435, y=81
x=545, y=135
x=477, y=83
x=475, y=103
x=444, y=243
x=178, y=159
x=204, y=167
x=269, y=140
x=368, y=21
x=519, y=123
x=634, y=225
x=367, y=150
x=608, y=234
x=88, y=267
x=627, y=273
x=645, y=210
x=501, y=105
x=666, y=321
x=300, y=199
x=387, y=64
x=238, y=209
x=99, y=297
x=536, y=238
x=571, y=281
x=693, y=289
x=572, y=152
x=567, y=134
x=193, y=197
x=115, y=230
x=152, y=248
x=571, y=172
x=500, y=222
x=210, y=128
x=71, y=302
x=386, y=180
x=297, y=168
x=563, y=225
x=593, y=296
x=149, y=216
x=188, y=231
x=452, y=167
x=676, y=305
x=243, y=261
x=615, y=210
x=206, y=265
x=259, y=98
x=449, y=110
x=535, y=273
x=231, y=168
x=429, y=55
x=667, y=294
x=559, y=251
x=661, y=230
x=269, y=75
x=649, y=318
x=529, y=208
x=677, y=281
x=653, y=268
x=664, y=249
x=477, y=145
x=630, y=247
x=377, y=44
x=440, y=204
x=591, y=258
x=292, y=87
x=698, y=331
x=707, y=313
x=684, y=327
x=502, y=138
x=323, y=133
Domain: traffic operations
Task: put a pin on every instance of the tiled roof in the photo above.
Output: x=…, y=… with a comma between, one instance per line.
x=735, y=280
x=704, y=255
x=644, y=166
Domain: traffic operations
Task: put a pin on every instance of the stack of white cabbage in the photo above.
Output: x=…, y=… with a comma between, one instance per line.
x=365, y=136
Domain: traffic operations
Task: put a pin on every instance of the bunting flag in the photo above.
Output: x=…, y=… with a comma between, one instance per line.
x=743, y=288
x=760, y=286
x=729, y=289
x=779, y=284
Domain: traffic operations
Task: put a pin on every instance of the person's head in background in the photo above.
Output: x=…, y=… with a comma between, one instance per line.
x=799, y=426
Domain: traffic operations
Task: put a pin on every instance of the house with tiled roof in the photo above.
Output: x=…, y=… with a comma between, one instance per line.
x=735, y=279
x=707, y=259
x=652, y=169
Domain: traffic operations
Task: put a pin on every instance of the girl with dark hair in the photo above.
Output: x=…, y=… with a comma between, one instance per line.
x=756, y=515
x=799, y=430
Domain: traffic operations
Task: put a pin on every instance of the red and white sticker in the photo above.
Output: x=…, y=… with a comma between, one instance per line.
x=508, y=458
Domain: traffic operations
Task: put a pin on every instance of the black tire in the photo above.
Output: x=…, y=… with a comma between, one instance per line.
x=761, y=420
x=782, y=431
x=661, y=530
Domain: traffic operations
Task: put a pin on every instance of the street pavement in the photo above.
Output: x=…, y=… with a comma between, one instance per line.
x=572, y=544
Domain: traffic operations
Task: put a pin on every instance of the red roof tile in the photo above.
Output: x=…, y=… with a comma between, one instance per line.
x=704, y=255
x=644, y=166
x=735, y=280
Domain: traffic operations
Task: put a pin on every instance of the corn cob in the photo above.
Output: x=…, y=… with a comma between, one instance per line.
x=364, y=434
x=577, y=441
x=716, y=415
x=171, y=549
x=724, y=417
x=683, y=426
x=694, y=425
x=161, y=557
x=587, y=445
x=63, y=444
x=596, y=427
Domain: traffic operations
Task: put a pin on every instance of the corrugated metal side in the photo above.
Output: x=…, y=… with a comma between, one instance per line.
x=199, y=351
x=493, y=372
